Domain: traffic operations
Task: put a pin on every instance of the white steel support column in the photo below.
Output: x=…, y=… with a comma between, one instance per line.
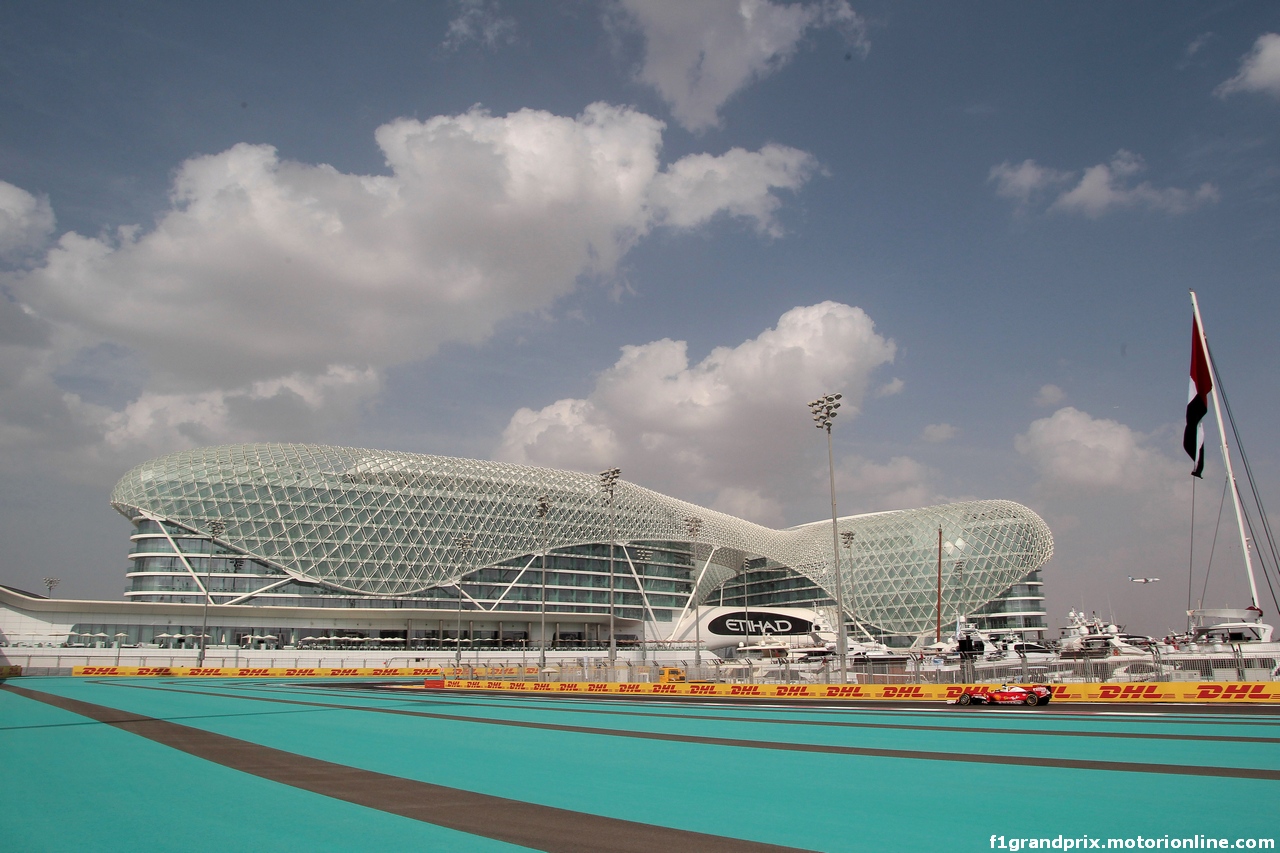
x=644, y=597
x=693, y=595
x=509, y=586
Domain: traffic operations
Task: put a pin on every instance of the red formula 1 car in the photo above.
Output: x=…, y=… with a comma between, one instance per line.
x=1005, y=694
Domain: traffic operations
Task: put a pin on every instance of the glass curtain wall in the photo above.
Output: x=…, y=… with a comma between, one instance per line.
x=577, y=579
x=1019, y=611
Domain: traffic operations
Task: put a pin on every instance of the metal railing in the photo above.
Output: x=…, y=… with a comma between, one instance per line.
x=1229, y=665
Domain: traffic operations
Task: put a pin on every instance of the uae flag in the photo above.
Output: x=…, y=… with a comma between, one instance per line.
x=1197, y=401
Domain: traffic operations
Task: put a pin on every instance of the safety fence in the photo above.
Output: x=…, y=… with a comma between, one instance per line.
x=1226, y=667
x=1116, y=669
x=431, y=672
x=68, y=663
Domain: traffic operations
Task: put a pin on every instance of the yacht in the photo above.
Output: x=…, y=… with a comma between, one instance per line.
x=1227, y=644
x=1089, y=638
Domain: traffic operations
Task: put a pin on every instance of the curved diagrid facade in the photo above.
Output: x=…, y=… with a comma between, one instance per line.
x=393, y=524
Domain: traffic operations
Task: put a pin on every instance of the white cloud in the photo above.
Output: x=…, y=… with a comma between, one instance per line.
x=750, y=503
x=734, y=425
x=26, y=222
x=738, y=182
x=1197, y=44
x=900, y=483
x=262, y=410
x=64, y=435
x=892, y=388
x=698, y=55
x=567, y=433
x=1103, y=188
x=1259, y=69
x=479, y=21
x=1025, y=181
x=266, y=267
x=270, y=285
x=937, y=433
x=1072, y=450
x=1049, y=395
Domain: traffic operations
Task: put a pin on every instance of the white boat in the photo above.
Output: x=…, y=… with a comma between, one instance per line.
x=968, y=642
x=1143, y=671
x=797, y=650
x=1090, y=638
x=1019, y=650
x=764, y=650
x=1243, y=628
x=1229, y=644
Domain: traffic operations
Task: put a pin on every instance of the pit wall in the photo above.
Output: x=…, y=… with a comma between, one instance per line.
x=1252, y=692
x=443, y=678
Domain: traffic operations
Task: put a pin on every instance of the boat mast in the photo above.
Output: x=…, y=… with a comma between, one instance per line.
x=1226, y=457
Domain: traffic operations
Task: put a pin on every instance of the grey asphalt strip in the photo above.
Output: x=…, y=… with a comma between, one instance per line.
x=513, y=821
x=871, y=752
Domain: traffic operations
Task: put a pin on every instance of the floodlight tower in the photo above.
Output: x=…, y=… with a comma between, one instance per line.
x=847, y=538
x=643, y=556
x=216, y=529
x=608, y=481
x=693, y=525
x=463, y=543
x=823, y=410
x=543, y=506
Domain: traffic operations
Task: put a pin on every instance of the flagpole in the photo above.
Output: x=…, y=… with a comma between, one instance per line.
x=1191, y=555
x=1226, y=457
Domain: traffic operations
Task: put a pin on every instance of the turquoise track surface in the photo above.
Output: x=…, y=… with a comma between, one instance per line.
x=816, y=778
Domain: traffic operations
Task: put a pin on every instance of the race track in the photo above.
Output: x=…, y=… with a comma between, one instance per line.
x=238, y=764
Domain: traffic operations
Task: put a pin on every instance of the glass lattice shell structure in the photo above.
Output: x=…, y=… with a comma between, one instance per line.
x=386, y=523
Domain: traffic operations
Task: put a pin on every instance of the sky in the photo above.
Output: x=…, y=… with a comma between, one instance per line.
x=645, y=233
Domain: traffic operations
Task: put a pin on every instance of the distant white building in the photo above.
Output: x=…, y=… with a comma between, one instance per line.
x=291, y=541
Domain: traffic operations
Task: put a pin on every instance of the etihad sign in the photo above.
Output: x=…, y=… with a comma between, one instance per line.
x=758, y=622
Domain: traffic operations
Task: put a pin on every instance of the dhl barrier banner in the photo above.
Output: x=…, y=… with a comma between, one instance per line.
x=481, y=678
x=10, y=671
x=1190, y=691
x=1258, y=691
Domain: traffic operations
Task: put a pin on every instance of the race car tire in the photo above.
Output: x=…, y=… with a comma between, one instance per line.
x=1032, y=699
x=964, y=699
